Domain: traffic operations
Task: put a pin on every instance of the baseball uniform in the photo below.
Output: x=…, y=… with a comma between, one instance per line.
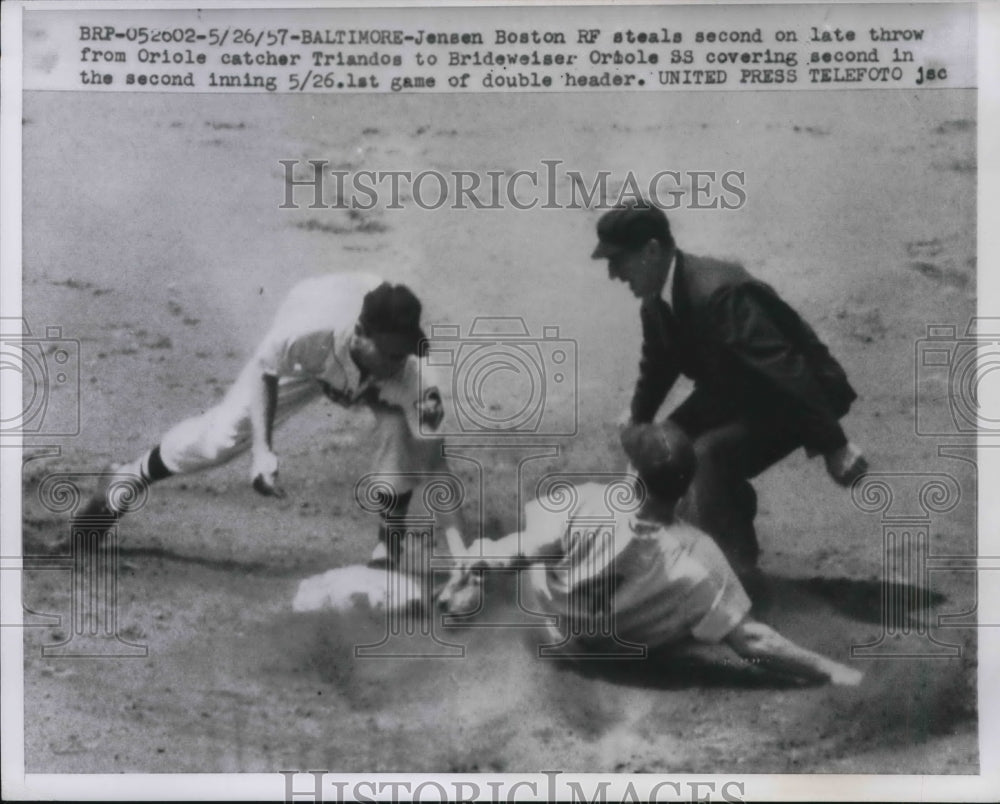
x=308, y=349
x=643, y=582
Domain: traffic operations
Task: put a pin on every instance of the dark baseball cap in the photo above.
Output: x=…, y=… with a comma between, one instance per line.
x=393, y=312
x=630, y=227
x=663, y=456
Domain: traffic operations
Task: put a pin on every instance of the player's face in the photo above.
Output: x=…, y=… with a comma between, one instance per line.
x=378, y=354
x=639, y=269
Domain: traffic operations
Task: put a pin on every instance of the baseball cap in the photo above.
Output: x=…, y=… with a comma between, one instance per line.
x=663, y=456
x=393, y=312
x=629, y=227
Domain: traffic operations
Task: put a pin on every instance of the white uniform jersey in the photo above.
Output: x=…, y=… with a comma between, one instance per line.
x=646, y=583
x=311, y=333
x=308, y=349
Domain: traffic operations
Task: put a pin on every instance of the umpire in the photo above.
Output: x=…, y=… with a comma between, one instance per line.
x=764, y=384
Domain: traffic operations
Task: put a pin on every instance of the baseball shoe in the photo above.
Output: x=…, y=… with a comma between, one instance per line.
x=98, y=506
x=463, y=593
x=380, y=556
x=386, y=554
x=98, y=512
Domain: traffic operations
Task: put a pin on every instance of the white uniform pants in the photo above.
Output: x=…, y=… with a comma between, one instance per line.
x=224, y=431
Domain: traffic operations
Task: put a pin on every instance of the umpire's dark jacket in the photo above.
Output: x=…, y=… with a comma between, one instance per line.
x=747, y=351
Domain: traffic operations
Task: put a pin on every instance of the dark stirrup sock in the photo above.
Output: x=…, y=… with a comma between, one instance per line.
x=152, y=467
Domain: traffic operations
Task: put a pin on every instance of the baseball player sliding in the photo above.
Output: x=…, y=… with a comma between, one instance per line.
x=649, y=579
x=350, y=337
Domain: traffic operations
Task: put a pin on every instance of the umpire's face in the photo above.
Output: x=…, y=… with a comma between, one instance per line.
x=644, y=270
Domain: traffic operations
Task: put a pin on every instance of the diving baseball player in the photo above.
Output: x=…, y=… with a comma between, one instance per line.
x=647, y=579
x=350, y=337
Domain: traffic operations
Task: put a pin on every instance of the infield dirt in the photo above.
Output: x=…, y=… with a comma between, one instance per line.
x=153, y=235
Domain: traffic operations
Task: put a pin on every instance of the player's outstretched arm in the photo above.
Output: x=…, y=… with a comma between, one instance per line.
x=496, y=553
x=461, y=593
x=263, y=404
x=762, y=645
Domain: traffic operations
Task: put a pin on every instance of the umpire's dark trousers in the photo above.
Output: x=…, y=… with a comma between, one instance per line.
x=732, y=446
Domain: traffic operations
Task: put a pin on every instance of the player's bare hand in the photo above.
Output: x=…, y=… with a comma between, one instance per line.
x=846, y=464
x=462, y=593
x=843, y=676
x=265, y=474
x=430, y=409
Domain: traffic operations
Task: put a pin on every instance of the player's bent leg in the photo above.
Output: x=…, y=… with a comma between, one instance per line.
x=223, y=431
x=209, y=439
x=415, y=466
x=762, y=645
